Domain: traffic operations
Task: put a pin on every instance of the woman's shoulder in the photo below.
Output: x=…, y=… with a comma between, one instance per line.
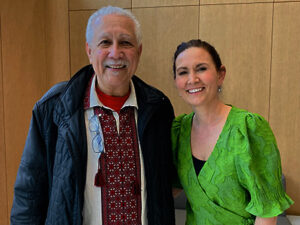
x=243, y=113
x=181, y=123
x=250, y=125
x=181, y=119
x=242, y=117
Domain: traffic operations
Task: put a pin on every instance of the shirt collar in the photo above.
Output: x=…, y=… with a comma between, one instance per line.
x=94, y=100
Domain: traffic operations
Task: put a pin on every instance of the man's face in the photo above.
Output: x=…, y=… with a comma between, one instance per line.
x=114, y=53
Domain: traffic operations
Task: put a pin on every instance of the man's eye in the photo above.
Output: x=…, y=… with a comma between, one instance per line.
x=126, y=43
x=104, y=43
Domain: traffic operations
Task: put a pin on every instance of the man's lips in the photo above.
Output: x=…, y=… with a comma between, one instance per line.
x=116, y=66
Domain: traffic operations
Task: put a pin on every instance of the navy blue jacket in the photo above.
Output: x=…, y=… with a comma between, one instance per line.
x=51, y=178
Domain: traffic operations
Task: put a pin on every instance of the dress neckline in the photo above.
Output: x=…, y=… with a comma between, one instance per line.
x=214, y=148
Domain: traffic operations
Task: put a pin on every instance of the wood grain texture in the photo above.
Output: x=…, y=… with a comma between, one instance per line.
x=161, y=35
x=159, y=3
x=24, y=76
x=242, y=35
x=94, y=5
x=285, y=94
x=214, y=2
x=3, y=183
x=57, y=41
x=278, y=1
x=78, y=22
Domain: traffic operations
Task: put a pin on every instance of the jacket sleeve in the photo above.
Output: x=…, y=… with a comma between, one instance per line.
x=175, y=136
x=166, y=209
x=30, y=191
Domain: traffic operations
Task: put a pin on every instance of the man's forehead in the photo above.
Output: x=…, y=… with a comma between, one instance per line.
x=113, y=18
x=119, y=35
x=108, y=22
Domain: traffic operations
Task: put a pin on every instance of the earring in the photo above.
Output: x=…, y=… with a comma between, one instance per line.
x=219, y=89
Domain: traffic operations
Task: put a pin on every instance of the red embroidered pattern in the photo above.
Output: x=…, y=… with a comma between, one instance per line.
x=120, y=166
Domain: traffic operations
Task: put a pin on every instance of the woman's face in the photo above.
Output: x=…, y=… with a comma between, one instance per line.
x=197, y=78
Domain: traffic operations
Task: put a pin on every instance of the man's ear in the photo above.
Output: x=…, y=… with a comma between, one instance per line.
x=140, y=50
x=88, y=51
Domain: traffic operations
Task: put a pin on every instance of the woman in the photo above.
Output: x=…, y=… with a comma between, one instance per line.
x=226, y=158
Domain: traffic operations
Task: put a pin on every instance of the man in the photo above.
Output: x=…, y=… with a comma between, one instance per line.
x=98, y=148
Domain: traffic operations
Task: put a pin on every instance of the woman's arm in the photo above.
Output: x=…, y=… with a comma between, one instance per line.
x=265, y=221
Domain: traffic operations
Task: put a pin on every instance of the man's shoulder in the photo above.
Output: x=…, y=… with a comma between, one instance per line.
x=70, y=87
x=55, y=90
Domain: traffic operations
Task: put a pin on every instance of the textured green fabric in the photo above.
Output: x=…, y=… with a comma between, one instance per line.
x=240, y=180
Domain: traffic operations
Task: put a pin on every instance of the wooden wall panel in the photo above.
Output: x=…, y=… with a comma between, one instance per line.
x=92, y=4
x=57, y=41
x=23, y=54
x=3, y=183
x=156, y=3
x=208, y=2
x=285, y=94
x=286, y=1
x=161, y=35
x=78, y=22
x=241, y=34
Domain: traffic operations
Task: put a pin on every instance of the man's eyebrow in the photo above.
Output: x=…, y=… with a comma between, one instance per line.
x=103, y=35
x=125, y=36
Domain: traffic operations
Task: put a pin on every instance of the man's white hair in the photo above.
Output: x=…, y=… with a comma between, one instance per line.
x=109, y=10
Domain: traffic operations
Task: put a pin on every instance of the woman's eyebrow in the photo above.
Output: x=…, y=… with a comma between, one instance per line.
x=181, y=68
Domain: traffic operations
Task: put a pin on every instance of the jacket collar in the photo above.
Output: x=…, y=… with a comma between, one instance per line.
x=71, y=99
x=146, y=93
x=149, y=101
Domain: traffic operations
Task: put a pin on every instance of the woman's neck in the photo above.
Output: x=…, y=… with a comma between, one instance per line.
x=210, y=115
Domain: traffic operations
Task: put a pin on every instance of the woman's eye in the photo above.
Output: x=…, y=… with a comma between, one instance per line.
x=202, y=69
x=182, y=73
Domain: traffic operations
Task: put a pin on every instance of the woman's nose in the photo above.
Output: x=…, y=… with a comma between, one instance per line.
x=193, y=78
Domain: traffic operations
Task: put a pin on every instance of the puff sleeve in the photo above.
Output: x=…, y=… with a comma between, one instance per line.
x=175, y=137
x=259, y=169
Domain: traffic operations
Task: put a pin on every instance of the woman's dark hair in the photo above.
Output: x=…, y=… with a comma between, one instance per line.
x=199, y=44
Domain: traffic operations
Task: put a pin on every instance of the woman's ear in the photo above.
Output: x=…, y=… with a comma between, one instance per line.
x=222, y=74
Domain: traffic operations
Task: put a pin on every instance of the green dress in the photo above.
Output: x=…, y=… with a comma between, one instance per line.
x=241, y=178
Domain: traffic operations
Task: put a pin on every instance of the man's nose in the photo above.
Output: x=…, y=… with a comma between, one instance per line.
x=115, y=51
